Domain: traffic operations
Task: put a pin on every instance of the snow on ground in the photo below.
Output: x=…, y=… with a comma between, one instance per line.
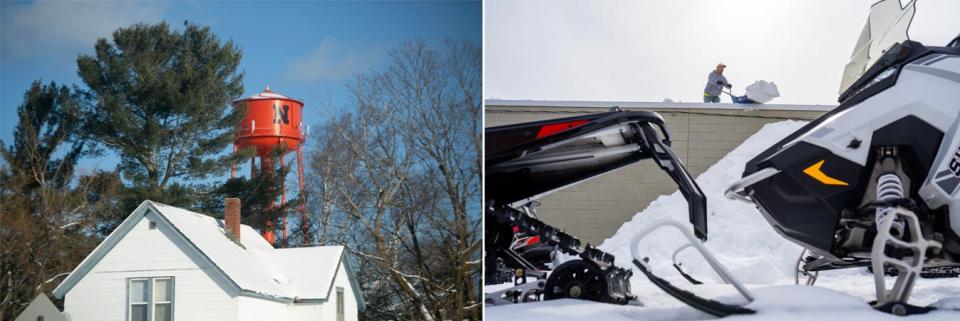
x=787, y=302
x=743, y=241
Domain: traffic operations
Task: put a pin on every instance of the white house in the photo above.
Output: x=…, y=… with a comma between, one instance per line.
x=41, y=309
x=166, y=263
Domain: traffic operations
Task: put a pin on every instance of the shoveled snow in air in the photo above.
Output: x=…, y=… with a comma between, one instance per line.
x=743, y=241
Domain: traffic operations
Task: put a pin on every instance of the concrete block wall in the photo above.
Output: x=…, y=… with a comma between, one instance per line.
x=701, y=133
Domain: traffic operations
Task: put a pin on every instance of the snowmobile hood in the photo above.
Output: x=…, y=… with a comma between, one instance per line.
x=882, y=75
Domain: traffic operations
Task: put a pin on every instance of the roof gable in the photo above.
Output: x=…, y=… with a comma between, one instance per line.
x=40, y=306
x=255, y=268
x=101, y=250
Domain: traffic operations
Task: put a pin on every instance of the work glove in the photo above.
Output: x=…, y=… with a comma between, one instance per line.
x=728, y=86
x=719, y=82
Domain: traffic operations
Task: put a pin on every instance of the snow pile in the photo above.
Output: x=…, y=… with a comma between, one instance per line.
x=762, y=91
x=737, y=233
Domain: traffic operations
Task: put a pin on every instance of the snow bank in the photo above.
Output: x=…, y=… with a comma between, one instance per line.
x=738, y=235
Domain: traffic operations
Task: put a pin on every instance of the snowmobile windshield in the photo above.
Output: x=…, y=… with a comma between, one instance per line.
x=886, y=26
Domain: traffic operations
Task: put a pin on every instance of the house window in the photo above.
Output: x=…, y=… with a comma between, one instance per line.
x=150, y=299
x=163, y=299
x=139, y=299
x=340, y=308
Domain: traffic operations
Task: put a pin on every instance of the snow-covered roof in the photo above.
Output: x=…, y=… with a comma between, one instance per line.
x=267, y=94
x=305, y=273
x=302, y=273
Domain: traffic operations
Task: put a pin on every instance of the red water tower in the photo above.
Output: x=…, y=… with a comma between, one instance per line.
x=272, y=120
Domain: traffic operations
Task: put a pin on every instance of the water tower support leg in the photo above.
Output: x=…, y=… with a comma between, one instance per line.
x=269, y=233
x=283, y=201
x=304, y=224
x=233, y=165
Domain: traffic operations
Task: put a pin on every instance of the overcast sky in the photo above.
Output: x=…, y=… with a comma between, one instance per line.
x=652, y=50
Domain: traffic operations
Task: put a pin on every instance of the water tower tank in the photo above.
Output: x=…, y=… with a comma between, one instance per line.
x=272, y=120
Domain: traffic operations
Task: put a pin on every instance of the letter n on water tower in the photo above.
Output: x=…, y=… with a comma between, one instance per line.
x=281, y=114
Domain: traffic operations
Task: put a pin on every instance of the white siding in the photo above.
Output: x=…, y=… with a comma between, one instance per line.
x=350, y=304
x=309, y=312
x=199, y=293
x=327, y=310
x=254, y=309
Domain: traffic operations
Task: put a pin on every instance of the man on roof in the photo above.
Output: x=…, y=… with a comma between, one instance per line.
x=715, y=83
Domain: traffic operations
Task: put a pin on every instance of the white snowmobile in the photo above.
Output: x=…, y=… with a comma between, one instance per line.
x=875, y=181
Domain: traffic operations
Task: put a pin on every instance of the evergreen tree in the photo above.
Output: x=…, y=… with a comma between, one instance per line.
x=161, y=101
x=260, y=200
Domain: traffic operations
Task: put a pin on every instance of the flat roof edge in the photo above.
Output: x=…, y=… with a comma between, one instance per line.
x=640, y=104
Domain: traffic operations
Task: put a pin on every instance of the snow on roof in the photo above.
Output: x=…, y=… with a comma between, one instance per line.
x=267, y=94
x=300, y=273
x=648, y=105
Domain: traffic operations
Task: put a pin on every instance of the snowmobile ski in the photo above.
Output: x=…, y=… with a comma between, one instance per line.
x=712, y=307
x=708, y=306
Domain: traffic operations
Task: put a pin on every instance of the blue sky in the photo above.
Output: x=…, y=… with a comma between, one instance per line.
x=305, y=50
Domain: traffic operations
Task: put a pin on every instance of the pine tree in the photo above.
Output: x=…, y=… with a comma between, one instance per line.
x=161, y=101
x=260, y=199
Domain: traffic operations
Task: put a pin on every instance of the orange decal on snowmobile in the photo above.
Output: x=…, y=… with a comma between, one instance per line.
x=815, y=172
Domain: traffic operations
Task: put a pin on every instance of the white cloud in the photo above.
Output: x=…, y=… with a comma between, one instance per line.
x=331, y=61
x=64, y=29
x=651, y=50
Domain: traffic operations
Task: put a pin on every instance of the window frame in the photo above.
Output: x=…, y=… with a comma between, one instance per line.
x=130, y=302
x=150, y=303
x=154, y=302
x=341, y=305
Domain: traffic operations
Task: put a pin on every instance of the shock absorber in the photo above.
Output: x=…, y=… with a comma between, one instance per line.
x=889, y=188
x=899, y=243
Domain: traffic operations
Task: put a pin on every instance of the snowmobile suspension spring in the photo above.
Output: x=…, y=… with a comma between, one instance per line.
x=889, y=188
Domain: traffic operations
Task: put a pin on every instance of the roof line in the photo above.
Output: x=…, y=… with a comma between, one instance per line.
x=352, y=277
x=641, y=104
x=99, y=252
